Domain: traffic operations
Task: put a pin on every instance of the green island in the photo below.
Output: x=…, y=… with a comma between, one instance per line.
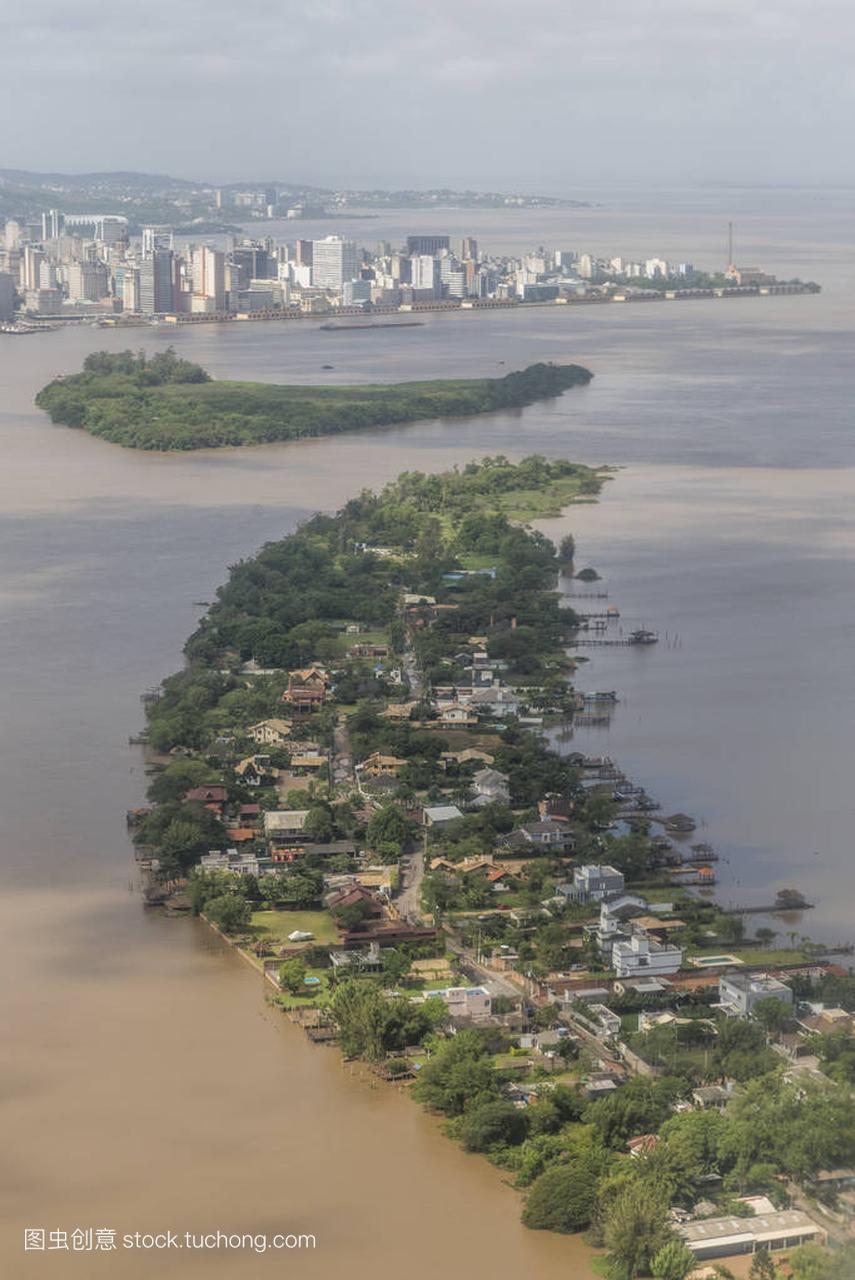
x=167, y=403
x=352, y=784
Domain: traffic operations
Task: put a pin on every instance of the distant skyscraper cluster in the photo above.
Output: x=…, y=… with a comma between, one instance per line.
x=79, y=264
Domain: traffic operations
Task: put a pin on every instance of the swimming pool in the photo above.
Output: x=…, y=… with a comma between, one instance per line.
x=706, y=962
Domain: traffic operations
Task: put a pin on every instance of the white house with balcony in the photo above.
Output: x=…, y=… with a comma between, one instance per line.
x=739, y=993
x=639, y=955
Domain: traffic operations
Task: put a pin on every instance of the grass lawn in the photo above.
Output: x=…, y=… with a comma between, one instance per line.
x=769, y=955
x=274, y=926
x=287, y=1000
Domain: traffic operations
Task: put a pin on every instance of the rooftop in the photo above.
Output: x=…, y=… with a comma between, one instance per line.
x=768, y=1227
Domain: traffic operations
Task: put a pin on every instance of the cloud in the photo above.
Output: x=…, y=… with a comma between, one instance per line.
x=457, y=91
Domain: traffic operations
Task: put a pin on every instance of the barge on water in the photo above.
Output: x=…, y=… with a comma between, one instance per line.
x=332, y=327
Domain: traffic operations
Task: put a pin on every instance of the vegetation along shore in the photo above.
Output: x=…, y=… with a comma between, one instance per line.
x=350, y=781
x=166, y=403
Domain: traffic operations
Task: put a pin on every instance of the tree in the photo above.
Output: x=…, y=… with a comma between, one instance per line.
x=674, y=1261
x=396, y=965
x=762, y=1266
x=639, y=1107
x=228, y=912
x=567, y=549
x=388, y=826
x=319, y=824
x=179, y=777
x=773, y=1015
x=765, y=936
x=358, y=1008
x=563, y=1197
x=270, y=890
x=458, y=1076
x=292, y=975
x=811, y=1262
x=635, y=1228
x=691, y=1142
x=492, y=1124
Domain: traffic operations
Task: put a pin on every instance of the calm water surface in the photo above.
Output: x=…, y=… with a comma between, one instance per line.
x=145, y=1085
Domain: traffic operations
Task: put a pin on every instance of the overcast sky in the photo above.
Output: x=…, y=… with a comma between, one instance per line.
x=550, y=94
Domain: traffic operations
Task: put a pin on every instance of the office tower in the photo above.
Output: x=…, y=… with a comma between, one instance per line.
x=355, y=292
x=7, y=296
x=253, y=260
x=157, y=282
x=12, y=235
x=47, y=275
x=209, y=276
x=469, y=248
x=31, y=260
x=87, y=281
x=154, y=238
x=303, y=253
x=334, y=260
x=111, y=228
x=424, y=272
x=418, y=245
x=52, y=224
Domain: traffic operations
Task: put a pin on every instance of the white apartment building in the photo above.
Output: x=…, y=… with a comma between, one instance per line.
x=740, y=992
x=334, y=260
x=641, y=955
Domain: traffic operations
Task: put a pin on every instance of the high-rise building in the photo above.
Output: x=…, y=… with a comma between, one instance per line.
x=52, y=224
x=111, y=228
x=469, y=248
x=157, y=282
x=334, y=260
x=87, y=281
x=154, y=238
x=424, y=273
x=47, y=275
x=12, y=235
x=209, y=276
x=417, y=245
x=253, y=261
x=31, y=260
x=7, y=296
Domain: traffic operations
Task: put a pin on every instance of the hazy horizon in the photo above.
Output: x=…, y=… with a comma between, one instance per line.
x=495, y=95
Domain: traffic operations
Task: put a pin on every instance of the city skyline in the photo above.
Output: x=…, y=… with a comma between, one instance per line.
x=496, y=95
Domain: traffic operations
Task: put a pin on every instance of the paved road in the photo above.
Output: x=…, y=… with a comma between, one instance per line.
x=410, y=893
x=342, y=762
x=411, y=671
x=477, y=972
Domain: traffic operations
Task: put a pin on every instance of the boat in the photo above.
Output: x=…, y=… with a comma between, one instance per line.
x=20, y=328
x=334, y=327
x=643, y=637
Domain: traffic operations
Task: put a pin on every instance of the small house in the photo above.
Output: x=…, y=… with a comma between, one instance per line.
x=307, y=689
x=270, y=733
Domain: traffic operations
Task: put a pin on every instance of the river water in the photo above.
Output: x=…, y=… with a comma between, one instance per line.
x=145, y=1084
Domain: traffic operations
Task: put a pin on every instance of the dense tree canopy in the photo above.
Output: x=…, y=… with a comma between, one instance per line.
x=163, y=402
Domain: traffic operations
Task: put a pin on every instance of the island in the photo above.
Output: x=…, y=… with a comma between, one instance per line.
x=353, y=785
x=166, y=403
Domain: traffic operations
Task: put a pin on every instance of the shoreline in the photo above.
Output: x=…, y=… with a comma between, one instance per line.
x=802, y=963
x=108, y=320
